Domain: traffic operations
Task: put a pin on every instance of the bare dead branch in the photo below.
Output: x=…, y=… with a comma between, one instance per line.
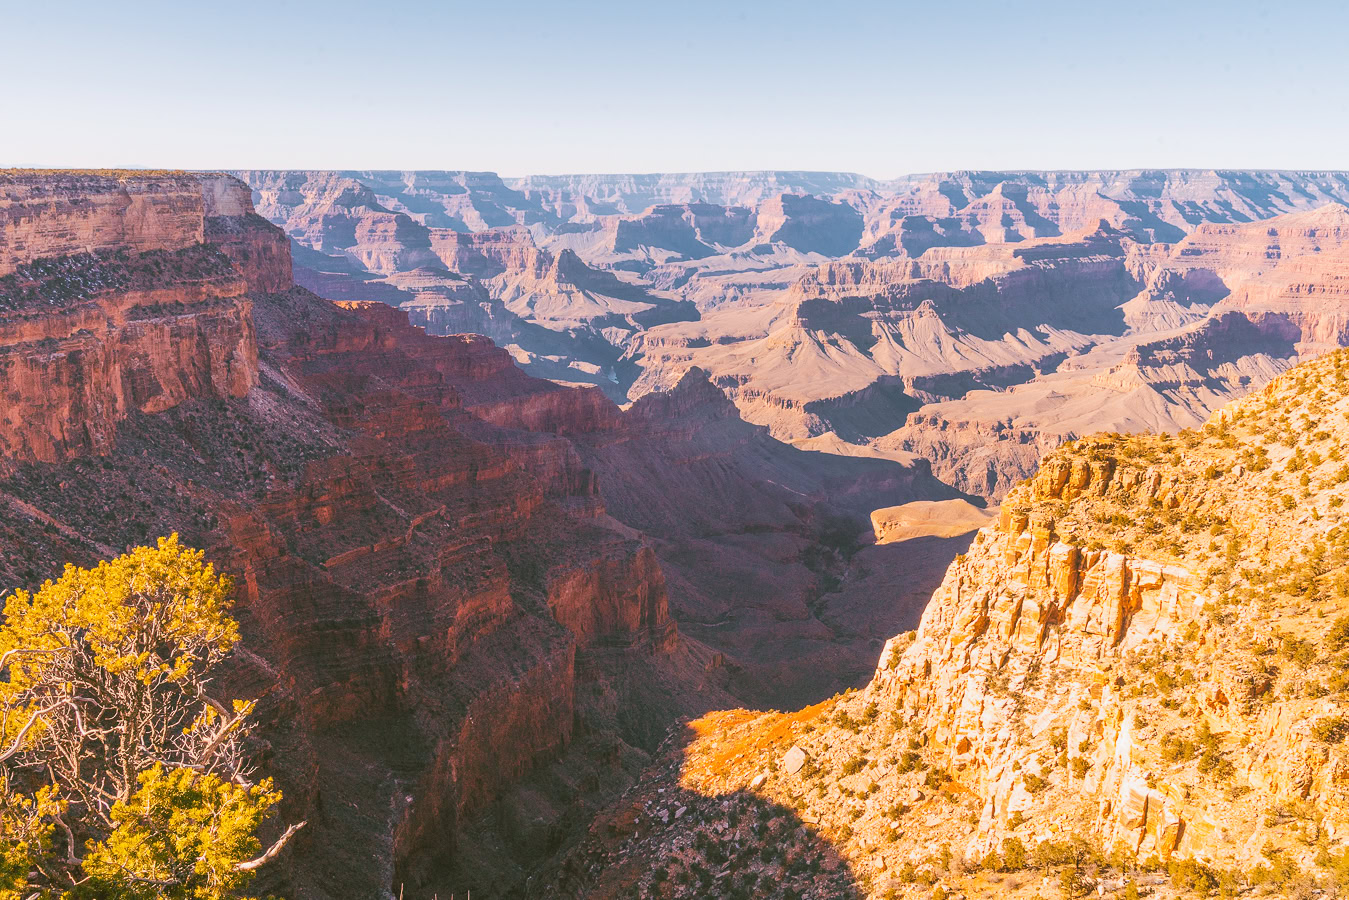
x=272, y=851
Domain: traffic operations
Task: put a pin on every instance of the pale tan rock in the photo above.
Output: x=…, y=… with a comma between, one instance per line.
x=927, y=518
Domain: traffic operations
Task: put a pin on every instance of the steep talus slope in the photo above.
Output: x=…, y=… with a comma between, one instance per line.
x=758, y=541
x=1135, y=674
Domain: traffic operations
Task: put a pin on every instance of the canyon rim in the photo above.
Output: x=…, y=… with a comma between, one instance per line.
x=506, y=452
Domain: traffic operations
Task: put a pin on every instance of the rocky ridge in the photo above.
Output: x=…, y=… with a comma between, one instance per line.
x=1133, y=679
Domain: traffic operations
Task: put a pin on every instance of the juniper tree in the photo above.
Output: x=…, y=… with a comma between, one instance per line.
x=121, y=776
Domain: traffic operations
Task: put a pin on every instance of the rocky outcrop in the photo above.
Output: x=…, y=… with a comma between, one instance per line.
x=72, y=374
x=124, y=292
x=1292, y=268
x=1134, y=672
x=689, y=230
x=809, y=224
x=52, y=214
x=1041, y=631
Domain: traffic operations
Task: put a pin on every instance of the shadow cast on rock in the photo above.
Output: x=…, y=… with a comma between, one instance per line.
x=666, y=840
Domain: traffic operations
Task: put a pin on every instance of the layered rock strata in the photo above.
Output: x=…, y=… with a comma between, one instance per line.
x=1133, y=675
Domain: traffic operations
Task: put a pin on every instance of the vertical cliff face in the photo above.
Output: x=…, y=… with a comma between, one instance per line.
x=156, y=332
x=120, y=293
x=51, y=214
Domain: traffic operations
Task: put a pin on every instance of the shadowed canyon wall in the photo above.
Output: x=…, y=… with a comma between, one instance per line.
x=460, y=649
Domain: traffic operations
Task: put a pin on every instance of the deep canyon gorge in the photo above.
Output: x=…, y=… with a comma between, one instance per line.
x=790, y=534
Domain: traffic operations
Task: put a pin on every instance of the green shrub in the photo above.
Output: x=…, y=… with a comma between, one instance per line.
x=1331, y=730
x=936, y=778
x=910, y=761
x=1338, y=638
x=1013, y=855
x=854, y=765
x=1192, y=876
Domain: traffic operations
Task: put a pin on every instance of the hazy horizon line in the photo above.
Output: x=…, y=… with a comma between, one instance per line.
x=1019, y=170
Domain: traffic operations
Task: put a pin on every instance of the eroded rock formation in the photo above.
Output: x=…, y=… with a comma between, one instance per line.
x=1133, y=675
x=452, y=577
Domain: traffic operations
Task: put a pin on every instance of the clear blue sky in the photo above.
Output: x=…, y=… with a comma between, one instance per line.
x=531, y=87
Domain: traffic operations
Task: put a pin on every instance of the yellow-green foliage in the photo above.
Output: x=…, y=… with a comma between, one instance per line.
x=152, y=615
x=123, y=778
x=26, y=826
x=182, y=835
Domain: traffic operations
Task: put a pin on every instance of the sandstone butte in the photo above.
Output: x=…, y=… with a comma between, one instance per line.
x=1133, y=679
x=455, y=580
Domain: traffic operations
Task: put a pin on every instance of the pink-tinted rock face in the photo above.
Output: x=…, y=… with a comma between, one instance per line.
x=592, y=279
x=71, y=378
x=608, y=601
x=49, y=214
x=124, y=292
x=489, y=253
x=1293, y=268
x=256, y=247
x=810, y=224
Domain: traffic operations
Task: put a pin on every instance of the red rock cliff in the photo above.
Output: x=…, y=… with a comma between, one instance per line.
x=124, y=292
